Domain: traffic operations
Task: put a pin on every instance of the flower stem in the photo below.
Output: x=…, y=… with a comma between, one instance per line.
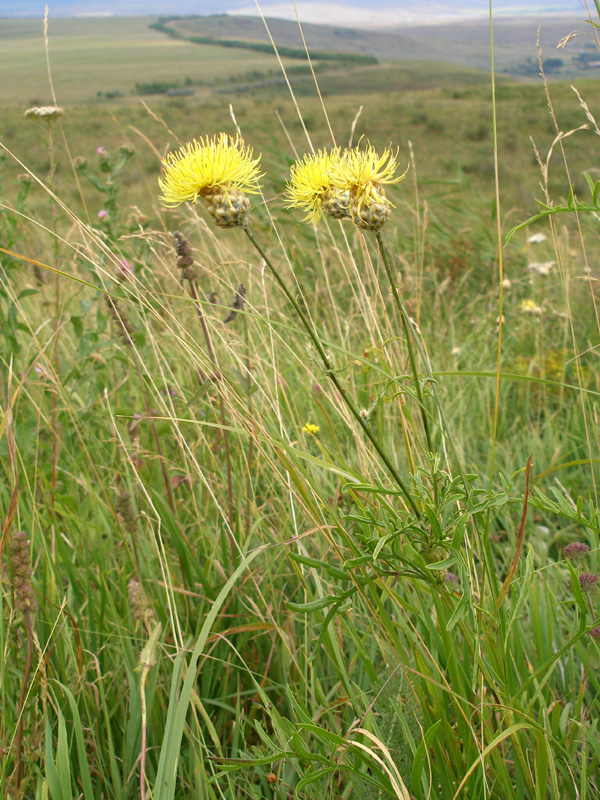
x=411, y=356
x=410, y=325
x=331, y=374
x=213, y=359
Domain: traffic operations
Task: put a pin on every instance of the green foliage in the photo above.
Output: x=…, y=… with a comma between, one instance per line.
x=155, y=87
x=228, y=605
x=264, y=47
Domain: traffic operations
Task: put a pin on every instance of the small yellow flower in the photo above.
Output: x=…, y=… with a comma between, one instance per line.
x=311, y=186
x=362, y=173
x=310, y=428
x=531, y=307
x=220, y=169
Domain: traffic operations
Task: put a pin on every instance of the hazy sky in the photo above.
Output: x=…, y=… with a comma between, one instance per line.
x=339, y=12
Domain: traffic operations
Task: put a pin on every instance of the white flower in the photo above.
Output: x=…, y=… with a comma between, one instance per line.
x=48, y=113
x=541, y=267
x=536, y=238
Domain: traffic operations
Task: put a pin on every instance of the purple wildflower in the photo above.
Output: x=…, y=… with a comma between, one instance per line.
x=576, y=551
x=588, y=581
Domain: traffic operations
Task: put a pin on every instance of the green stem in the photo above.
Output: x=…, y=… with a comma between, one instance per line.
x=408, y=324
x=213, y=359
x=331, y=374
x=411, y=356
x=250, y=455
x=445, y=425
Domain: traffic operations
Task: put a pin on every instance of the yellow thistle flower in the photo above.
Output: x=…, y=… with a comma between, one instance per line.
x=362, y=173
x=310, y=428
x=311, y=186
x=220, y=169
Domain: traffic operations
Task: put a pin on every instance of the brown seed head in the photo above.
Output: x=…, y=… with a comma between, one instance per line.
x=138, y=600
x=25, y=600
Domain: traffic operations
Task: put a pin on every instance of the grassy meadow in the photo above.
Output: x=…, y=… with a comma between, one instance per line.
x=290, y=520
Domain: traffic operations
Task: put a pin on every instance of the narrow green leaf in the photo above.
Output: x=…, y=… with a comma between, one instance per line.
x=166, y=776
x=84, y=769
x=417, y=769
x=313, y=605
x=459, y=611
x=443, y=565
x=313, y=776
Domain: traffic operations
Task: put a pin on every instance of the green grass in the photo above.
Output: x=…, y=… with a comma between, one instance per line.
x=225, y=602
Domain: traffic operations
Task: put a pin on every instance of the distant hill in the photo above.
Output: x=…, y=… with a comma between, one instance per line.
x=465, y=43
x=99, y=59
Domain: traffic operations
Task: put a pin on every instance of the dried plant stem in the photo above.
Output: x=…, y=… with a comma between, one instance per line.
x=213, y=359
x=56, y=356
x=333, y=377
x=159, y=452
x=144, y=715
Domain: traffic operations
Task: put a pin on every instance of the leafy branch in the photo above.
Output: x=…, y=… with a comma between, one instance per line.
x=572, y=205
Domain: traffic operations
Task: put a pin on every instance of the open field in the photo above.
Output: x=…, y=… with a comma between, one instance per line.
x=284, y=508
x=100, y=55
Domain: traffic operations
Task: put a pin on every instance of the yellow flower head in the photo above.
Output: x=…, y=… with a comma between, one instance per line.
x=362, y=173
x=310, y=428
x=531, y=307
x=206, y=167
x=311, y=186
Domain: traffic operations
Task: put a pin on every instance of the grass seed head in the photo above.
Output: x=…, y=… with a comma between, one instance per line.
x=139, y=603
x=126, y=513
x=123, y=325
x=237, y=304
x=25, y=600
x=185, y=256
